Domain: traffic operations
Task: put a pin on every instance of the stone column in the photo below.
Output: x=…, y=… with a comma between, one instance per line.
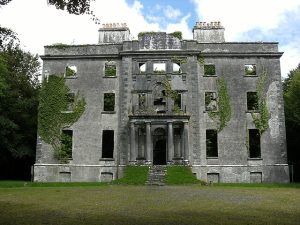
x=170, y=142
x=186, y=140
x=132, y=142
x=148, y=141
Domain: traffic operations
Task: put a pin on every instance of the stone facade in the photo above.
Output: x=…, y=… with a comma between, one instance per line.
x=160, y=115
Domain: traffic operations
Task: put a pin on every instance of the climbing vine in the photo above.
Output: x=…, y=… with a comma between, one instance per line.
x=177, y=34
x=53, y=101
x=171, y=94
x=261, y=120
x=179, y=60
x=201, y=60
x=223, y=115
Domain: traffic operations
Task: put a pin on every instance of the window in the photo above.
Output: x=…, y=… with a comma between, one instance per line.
x=108, y=144
x=159, y=68
x=254, y=143
x=109, y=102
x=71, y=71
x=66, y=142
x=255, y=177
x=250, y=70
x=177, y=102
x=110, y=69
x=142, y=100
x=70, y=100
x=213, y=178
x=252, y=101
x=176, y=68
x=211, y=143
x=209, y=70
x=142, y=68
x=211, y=101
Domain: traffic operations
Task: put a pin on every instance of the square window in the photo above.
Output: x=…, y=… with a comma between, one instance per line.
x=159, y=68
x=250, y=69
x=211, y=143
x=109, y=102
x=252, y=101
x=110, y=69
x=71, y=71
x=209, y=70
x=211, y=101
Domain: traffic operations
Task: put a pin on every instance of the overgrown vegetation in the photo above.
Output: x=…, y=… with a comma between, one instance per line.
x=223, y=115
x=53, y=101
x=261, y=120
x=134, y=175
x=177, y=34
x=181, y=175
x=110, y=70
x=60, y=46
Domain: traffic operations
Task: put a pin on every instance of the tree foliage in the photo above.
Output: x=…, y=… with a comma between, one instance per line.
x=291, y=88
x=18, y=101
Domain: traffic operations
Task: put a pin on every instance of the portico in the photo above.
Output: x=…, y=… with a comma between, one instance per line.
x=159, y=139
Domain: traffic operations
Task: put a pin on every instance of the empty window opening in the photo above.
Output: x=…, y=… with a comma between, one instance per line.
x=71, y=71
x=176, y=68
x=66, y=143
x=252, y=101
x=211, y=143
x=142, y=67
x=110, y=69
x=213, y=178
x=177, y=101
x=211, y=101
x=70, y=100
x=209, y=70
x=109, y=102
x=65, y=176
x=108, y=144
x=142, y=100
x=255, y=177
x=254, y=143
x=250, y=69
x=159, y=68
x=106, y=176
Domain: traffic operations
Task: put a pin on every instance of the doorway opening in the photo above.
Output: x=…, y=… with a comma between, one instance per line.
x=159, y=152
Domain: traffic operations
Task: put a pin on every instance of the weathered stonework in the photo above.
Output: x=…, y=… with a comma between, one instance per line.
x=151, y=126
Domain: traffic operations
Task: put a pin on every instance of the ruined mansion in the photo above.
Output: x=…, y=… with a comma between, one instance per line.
x=212, y=105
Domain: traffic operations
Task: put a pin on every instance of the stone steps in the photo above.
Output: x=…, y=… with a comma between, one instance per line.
x=157, y=175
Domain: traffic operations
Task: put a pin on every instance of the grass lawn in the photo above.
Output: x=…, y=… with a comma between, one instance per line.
x=130, y=204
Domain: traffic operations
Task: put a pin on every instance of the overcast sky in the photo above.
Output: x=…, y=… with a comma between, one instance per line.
x=39, y=24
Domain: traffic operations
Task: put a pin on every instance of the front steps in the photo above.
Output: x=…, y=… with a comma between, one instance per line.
x=157, y=175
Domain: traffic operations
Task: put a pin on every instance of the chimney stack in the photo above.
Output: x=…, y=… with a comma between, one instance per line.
x=113, y=33
x=205, y=32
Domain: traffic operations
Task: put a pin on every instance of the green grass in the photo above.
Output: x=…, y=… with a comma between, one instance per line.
x=134, y=175
x=180, y=175
x=138, y=205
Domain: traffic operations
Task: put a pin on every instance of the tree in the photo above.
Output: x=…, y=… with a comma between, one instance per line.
x=291, y=88
x=18, y=107
x=72, y=6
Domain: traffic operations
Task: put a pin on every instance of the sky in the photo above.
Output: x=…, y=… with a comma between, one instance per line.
x=39, y=24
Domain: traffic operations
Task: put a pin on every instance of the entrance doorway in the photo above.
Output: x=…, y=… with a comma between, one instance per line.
x=159, y=152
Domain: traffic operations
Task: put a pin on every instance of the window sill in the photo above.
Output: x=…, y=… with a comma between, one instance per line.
x=254, y=159
x=71, y=77
x=109, y=76
x=106, y=159
x=66, y=112
x=250, y=75
x=205, y=111
x=108, y=112
x=252, y=111
x=210, y=157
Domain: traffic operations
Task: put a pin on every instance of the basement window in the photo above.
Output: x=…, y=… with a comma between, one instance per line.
x=109, y=102
x=71, y=71
x=209, y=70
x=252, y=101
x=142, y=68
x=211, y=102
x=66, y=142
x=250, y=69
x=159, y=68
x=108, y=144
x=211, y=143
x=254, y=143
x=110, y=69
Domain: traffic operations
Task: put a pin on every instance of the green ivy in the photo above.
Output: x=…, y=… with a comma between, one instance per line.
x=224, y=110
x=179, y=60
x=177, y=34
x=201, y=60
x=261, y=120
x=53, y=101
x=60, y=45
x=70, y=72
x=168, y=89
x=110, y=71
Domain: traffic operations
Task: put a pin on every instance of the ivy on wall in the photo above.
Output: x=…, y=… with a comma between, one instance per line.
x=53, y=101
x=223, y=115
x=261, y=120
